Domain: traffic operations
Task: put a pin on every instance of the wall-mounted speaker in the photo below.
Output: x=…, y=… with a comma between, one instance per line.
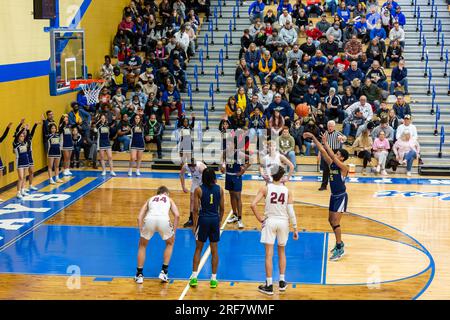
x=44, y=9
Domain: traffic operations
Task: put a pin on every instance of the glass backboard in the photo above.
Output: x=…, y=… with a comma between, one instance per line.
x=67, y=59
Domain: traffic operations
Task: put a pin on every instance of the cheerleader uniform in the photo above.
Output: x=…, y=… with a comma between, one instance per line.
x=30, y=148
x=137, y=138
x=54, y=146
x=21, y=151
x=66, y=136
x=1, y=140
x=103, y=137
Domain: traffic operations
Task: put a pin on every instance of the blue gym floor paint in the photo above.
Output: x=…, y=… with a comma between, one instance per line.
x=105, y=252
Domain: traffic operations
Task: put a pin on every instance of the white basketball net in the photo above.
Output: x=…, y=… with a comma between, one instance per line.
x=92, y=91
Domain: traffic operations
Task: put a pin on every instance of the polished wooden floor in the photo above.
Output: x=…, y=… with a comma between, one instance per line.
x=377, y=235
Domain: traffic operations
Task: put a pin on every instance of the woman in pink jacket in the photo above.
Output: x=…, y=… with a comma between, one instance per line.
x=380, y=149
x=406, y=149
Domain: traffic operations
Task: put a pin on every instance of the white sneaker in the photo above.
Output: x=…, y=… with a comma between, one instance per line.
x=130, y=173
x=113, y=173
x=408, y=173
x=378, y=168
x=384, y=173
x=66, y=173
x=19, y=195
x=138, y=173
x=139, y=279
x=232, y=219
x=24, y=192
x=103, y=173
x=240, y=224
x=33, y=188
x=164, y=277
x=52, y=181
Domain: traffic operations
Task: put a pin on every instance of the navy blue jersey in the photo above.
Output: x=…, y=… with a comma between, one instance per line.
x=233, y=168
x=54, y=145
x=137, y=138
x=66, y=135
x=103, y=136
x=337, y=181
x=210, y=201
x=21, y=151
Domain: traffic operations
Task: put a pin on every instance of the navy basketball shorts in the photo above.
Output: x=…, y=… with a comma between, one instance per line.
x=208, y=227
x=233, y=183
x=338, y=203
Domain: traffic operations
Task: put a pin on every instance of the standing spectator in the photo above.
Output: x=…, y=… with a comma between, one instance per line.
x=381, y=149
x=124, y=133
x=399, y=78
x=406, y=149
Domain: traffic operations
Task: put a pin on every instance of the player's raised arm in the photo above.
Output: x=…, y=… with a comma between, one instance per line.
x=142, y=215
x=319, y=145
x=260, y=195
x=176, y=215
x=182, y=179
x=291, y=212
x=334, y=157
x=222, y=205
x=197, y=200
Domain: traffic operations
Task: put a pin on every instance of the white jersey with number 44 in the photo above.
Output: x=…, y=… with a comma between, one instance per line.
x=277, y=201
x=158, y=206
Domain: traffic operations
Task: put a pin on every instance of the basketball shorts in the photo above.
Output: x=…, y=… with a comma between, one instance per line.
x=338, y=203
x=194, y=185
x=154, y=224
x=208, y=228
x=233, y=183
x=275, y=228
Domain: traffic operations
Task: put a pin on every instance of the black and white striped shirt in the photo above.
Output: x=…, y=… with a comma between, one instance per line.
x=333, y=140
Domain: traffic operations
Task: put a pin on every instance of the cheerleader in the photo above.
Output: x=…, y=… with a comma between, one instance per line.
x=104, y=144
x=137, y=145
x=20, y=148
x=65, y=131
x=1, y=140
x=29, y=139
x=54, y=142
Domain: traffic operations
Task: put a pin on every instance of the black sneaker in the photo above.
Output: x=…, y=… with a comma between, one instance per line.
x=188, y=224
x=322, y=188
x=282, y=285
x=264, y=288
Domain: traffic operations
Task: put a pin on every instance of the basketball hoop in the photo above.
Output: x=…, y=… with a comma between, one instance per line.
x=90, y=87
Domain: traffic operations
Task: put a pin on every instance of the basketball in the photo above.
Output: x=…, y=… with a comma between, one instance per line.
x=302, y=110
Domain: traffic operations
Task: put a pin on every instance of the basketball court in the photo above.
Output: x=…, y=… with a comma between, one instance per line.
x=79, y=241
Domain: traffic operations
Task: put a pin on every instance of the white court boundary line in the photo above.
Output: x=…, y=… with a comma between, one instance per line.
x=204, y=258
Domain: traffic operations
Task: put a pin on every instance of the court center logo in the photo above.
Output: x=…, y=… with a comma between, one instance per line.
x=443, y=196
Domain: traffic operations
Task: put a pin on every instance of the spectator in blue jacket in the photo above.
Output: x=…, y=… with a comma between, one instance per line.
x=283, y=4
x=352, y=73
x=252, y=57
x=399, y=78
x=394, y=5
x=256, y=10
x=362, y=28
x=399, y=16
x=283, y=106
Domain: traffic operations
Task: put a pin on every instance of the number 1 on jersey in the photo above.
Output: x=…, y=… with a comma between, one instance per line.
x=211, y=199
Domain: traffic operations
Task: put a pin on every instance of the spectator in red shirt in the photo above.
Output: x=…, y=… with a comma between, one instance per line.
x=342, y=64
x=127, y=25
x=314, y=33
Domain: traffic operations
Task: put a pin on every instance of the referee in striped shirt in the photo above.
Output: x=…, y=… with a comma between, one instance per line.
x=335, y=140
